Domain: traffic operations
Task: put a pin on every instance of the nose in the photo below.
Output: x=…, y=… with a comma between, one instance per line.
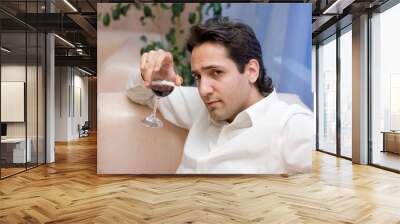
x=205, y=87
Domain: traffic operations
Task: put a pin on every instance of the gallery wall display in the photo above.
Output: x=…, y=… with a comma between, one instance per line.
x=193, y=132
x=12, y=100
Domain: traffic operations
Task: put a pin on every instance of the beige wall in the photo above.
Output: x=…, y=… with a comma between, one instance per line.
x=121, y=45
x=124, y=145
x=71, y=86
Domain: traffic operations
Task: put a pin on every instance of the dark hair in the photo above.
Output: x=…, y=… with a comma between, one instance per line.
x=239, y=40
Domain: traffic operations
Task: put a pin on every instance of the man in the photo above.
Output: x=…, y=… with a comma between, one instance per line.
x=236, y=122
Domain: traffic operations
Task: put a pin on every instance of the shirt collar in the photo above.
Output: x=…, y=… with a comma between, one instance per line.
x=258, y=110
x=249, y=116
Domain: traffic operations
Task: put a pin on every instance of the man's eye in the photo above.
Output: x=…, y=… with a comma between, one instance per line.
x=196, y=77
x=217, y=73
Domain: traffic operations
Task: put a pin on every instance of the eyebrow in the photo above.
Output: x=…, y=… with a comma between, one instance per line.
x=207, y=68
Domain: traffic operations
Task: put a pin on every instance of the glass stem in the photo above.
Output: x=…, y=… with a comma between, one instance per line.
x=155, y=107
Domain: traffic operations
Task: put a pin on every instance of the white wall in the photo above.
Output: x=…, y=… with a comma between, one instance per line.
x=67, y=116
x=79, y=117
x=17, y=73
x=62, y=81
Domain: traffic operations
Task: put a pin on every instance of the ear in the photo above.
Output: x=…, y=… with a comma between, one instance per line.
x=252, y=70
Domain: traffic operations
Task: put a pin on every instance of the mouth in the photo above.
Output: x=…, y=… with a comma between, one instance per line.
x=212, y=103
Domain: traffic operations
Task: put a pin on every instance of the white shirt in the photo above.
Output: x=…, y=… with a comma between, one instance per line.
x=269, y=137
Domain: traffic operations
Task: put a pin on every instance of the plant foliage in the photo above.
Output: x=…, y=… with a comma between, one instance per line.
x=179, y=52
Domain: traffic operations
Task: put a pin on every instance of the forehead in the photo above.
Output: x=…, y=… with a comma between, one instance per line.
x=210, y=54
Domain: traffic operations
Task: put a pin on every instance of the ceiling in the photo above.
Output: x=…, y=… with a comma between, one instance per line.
x=79, y=27
x=331, y=15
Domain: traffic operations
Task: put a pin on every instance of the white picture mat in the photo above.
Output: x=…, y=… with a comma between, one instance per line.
x=12, y=101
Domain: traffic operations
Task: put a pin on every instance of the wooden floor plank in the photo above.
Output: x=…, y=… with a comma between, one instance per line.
x=70, y=191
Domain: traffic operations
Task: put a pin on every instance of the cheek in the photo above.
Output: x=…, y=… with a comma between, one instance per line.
x=230, y=94
x=239, y=93
x=236, y=87
x=230, y=89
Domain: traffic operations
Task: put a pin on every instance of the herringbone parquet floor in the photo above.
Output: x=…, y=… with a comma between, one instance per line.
x=69, y=191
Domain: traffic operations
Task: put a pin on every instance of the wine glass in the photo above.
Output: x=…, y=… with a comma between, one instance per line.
x=161, y=88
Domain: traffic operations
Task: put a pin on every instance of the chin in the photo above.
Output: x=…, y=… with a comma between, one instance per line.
x=218, y=116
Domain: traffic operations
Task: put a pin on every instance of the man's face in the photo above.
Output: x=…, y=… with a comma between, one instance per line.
x=224, y=90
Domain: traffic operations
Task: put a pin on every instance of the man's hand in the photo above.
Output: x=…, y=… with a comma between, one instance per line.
x=158, y=63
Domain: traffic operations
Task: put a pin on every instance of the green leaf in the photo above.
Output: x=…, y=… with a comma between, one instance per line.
x=177, y=9
x=192, y=17
x=118, y=7
x=125, y=9
x=106, y=19
x=210, y=6
x=164, y=6
x=183, y=54
x=147, y=11
x=147, y=48
x=115, y=14
x=217, y=9
x=186, y=73
x=158, y=45
x=143, y=38
x=171, y=36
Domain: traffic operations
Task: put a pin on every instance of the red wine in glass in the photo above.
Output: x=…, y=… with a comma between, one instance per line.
x=162, y=88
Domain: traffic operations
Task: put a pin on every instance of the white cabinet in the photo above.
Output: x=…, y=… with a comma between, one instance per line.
x=18, y=149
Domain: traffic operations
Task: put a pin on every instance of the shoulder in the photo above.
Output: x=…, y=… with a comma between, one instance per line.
x=296, y=116
x=299, y=125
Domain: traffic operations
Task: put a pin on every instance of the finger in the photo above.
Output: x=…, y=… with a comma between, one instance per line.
x=144, y=69
x=153, y=58
x=178, y=80
x=168, y=59
x=159, y=61
x=149, y=65
x=147, y=77
x=143, y=61
x=167, y=65
x=147, y=73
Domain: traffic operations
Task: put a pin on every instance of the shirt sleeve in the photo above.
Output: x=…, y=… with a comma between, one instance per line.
x=181, y=107
x=298, y=142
